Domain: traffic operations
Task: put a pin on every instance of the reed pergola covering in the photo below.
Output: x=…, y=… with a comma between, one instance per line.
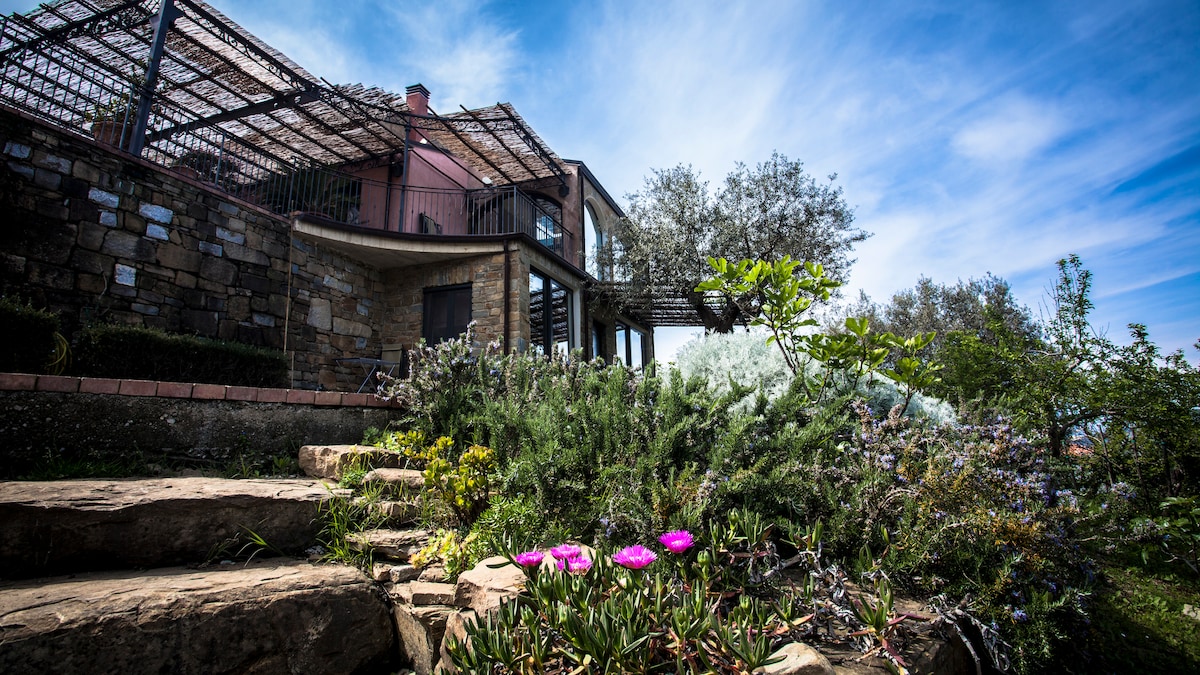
x=179, y=80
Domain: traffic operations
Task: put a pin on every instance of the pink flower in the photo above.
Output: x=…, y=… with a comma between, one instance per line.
x=579, y=565
x=565, y=552
x=530, y=558
x=634, y=557
x=677, y=541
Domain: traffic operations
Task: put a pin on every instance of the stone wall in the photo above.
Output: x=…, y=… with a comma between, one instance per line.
x=95, y=234
x=55, y=421
x=405, y=295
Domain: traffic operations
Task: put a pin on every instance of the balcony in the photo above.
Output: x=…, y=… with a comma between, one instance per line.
x=377, y=205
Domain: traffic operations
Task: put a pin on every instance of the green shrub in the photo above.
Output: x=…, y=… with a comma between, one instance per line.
x=146, y=354
x=28, y=342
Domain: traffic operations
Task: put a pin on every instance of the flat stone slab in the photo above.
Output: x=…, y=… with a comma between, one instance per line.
x=328, y=461
x=406, y=480
x=420, y=630
x=393, y=544
x=271, y=616
x=52, y=527
x=424, y=593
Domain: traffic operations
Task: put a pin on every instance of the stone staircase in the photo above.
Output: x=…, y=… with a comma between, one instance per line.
x=139, y=576
x=144, y=576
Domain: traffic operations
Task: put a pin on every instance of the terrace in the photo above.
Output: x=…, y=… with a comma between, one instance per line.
x=176, y=83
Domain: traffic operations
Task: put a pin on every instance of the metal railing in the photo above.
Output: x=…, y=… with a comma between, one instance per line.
x=73, y=91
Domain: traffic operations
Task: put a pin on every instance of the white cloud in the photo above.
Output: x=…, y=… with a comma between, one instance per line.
x=1012, y=131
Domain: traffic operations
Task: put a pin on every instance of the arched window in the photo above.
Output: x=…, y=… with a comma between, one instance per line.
x=593, y=241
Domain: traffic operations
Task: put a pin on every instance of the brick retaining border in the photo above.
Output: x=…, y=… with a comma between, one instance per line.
x=202, y=392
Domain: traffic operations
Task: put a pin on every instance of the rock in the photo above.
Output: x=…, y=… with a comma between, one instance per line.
x=483, y=588
x=381, y=572
x=798, y=659
x=1191, y=612
x=456, y=628
x=420, y=630
x=433, y=574
x=86, y=525
x=428, y=593
x=267, y=617
x=397, y=512
x=328, y=461
x=404, y=481
x=403, y=573
x=393, y=544
x=423, y=593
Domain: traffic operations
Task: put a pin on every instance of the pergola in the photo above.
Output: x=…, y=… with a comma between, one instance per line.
x=181, y=76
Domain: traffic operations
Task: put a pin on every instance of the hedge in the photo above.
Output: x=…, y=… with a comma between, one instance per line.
x=146, y=354
x=27, y=341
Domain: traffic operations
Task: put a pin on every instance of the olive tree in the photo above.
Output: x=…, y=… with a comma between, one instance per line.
x=677, y=222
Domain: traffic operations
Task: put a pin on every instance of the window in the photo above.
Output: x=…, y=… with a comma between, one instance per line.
x=447, y=312
x=629, y=346
x=550, y=315
x=593, y=244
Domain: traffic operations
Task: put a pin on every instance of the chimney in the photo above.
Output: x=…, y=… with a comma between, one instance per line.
x=418, y=104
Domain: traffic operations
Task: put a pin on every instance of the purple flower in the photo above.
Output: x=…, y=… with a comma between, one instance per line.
x=576, y=565
x=565, y=552
x=634, y=557
x=677, y=541
x=530, y=558
x=1020, y=615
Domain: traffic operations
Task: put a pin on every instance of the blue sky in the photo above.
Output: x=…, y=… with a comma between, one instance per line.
x=970, y=137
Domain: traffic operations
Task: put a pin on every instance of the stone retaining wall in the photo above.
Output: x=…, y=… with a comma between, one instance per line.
x=95, y=234
x=47, y=420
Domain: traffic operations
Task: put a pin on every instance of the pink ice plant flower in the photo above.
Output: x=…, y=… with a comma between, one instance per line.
x=576, y=565
x=579, y=565
x=677, y=541
x=634, y=557
x=565, y=552
x=530, y=558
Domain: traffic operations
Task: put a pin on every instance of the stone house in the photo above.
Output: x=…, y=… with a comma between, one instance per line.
x=163, y=167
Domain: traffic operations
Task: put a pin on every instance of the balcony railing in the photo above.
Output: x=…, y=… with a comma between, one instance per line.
x=417, y=210
x=68, y=89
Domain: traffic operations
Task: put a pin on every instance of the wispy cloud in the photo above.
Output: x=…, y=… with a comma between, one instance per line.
x=1012, y=131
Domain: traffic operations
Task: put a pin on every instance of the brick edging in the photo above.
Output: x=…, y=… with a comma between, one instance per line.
x=199, y=392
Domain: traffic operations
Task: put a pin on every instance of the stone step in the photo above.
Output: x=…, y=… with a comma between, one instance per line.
x=397, y=513
x=265, y=617
x=329, y=461
x=403, y=481
x=391, y=544
x=54, y=527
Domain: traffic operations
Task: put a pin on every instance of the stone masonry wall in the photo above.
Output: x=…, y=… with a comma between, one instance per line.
x=94, y=234
x=405, y=296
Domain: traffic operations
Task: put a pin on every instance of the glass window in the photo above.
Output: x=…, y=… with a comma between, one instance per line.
x=593, y=241
x=629, y=346
x=550, y=315
x=635, y=348
x=447, y=312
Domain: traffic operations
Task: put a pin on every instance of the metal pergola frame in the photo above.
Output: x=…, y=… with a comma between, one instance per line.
x=185, y=76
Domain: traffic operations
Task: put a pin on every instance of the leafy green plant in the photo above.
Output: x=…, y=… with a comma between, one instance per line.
x=31, y=342
x=1175, y=534
x=144, y=353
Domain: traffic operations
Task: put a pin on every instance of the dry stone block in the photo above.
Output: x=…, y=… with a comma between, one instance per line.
x=403, y=479
x=456, y=628
x=394, y=574
x=798, y=659
x=484, y=588
x=420, y=630
x=427, y=593
x=81, y=525
x=392, y=544
x=328, y=461
x=267, y=617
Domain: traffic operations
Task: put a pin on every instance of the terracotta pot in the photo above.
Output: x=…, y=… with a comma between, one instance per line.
x=109, y=133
